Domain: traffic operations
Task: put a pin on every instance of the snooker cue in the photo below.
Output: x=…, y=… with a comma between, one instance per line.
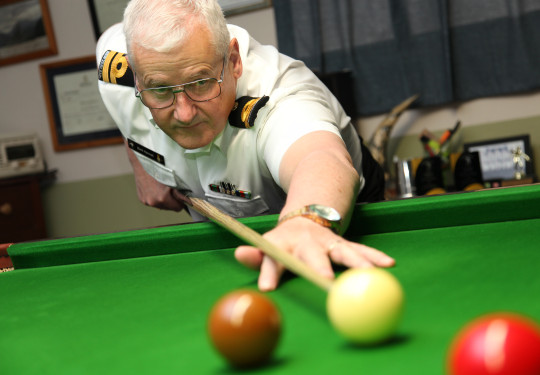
x=255, y=239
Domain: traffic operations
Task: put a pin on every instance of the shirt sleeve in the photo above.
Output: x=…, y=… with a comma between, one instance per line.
x=289, y=115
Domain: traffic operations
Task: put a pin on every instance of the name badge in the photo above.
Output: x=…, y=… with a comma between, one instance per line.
x=146, y=152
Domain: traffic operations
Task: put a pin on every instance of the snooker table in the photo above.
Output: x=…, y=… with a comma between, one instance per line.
x=137, y=302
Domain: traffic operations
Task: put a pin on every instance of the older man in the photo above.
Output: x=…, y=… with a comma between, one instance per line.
x=214, y=114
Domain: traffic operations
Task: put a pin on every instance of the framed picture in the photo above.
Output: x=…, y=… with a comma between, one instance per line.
x=497, y=157
x=26, y=31
x=231, y=7
x=106, y=13
x=77, y=116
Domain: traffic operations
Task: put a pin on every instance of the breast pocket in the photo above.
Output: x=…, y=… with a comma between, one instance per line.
x=238, y=207
x=163, y=174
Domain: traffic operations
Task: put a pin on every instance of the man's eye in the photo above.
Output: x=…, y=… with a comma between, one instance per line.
x=202, y=83
x=159, y=92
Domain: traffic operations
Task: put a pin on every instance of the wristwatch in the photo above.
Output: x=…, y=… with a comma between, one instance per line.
x=326, y=216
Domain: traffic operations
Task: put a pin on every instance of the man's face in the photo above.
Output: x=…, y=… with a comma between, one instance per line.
x=190, y=124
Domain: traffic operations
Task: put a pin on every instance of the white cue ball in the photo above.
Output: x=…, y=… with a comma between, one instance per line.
x=365, y=305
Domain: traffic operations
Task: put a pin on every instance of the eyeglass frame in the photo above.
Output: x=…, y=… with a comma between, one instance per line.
x=219, y=82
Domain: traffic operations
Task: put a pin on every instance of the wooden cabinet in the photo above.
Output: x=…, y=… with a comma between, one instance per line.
x=21, y=209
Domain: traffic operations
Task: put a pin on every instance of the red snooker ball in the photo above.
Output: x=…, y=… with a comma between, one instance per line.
x=496, y=344
x=245, y=326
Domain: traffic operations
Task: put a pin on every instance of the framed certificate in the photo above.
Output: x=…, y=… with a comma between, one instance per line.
x=77, y=116
x=26, y=31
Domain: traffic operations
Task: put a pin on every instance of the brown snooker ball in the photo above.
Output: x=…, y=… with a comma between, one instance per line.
x=244, y=327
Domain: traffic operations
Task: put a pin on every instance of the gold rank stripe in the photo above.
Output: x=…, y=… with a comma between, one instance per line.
x=246, y=111
x=113, y=68
x=107, y=65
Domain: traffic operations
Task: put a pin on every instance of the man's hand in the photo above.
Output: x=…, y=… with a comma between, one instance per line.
x=317, y=168
x=315, y=245
x=153, y=193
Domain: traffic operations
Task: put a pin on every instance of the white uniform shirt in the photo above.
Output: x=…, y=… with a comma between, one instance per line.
x=246, y=159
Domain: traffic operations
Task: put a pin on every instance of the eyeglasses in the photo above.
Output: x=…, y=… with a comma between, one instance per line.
x=201, y=90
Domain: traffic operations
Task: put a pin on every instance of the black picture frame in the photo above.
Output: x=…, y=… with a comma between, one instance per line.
x=496, y=166
x=233, y=7
x=77, y=116
x=30, y=34
x=105, y=13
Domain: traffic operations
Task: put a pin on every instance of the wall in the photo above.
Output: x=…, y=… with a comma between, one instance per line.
x=94, y=191
x=482, y=119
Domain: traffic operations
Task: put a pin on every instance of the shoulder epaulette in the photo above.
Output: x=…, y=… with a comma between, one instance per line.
x=245, y=111
x=114, y=68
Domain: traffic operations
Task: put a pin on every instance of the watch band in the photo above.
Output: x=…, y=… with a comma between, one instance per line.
x=326, y=216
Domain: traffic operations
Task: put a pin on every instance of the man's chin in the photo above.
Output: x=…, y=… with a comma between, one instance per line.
x=191, y=141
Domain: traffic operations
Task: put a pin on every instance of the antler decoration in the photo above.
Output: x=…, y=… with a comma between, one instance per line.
x=378, y=142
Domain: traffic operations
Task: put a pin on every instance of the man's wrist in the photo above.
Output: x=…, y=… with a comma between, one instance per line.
x=323, y=215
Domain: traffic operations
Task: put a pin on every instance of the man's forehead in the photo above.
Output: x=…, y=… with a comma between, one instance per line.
x=196, y=48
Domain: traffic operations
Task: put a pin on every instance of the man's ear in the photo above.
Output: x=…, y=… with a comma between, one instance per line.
x=234, y=58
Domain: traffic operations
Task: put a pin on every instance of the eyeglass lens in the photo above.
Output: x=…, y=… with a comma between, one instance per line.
x=199, y=91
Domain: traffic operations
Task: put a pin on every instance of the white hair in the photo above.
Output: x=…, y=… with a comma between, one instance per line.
x=160, y=25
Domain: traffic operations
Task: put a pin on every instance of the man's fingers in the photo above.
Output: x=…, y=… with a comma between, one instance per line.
x=317, y=255
x=270, y=271
x=270, y=274
x=318, y=260
x=378, y=258
x=179, y=199
x=351, y=254
x=249, y=257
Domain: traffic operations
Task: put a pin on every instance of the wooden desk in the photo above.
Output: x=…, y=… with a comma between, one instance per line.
x=21, y=209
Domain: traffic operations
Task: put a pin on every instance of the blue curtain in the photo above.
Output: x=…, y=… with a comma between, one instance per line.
x=444, y=50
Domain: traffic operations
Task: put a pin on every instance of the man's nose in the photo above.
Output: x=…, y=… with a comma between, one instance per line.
x=184, y=108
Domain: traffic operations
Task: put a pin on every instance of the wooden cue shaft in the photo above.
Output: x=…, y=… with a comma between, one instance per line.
x=255, y=239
